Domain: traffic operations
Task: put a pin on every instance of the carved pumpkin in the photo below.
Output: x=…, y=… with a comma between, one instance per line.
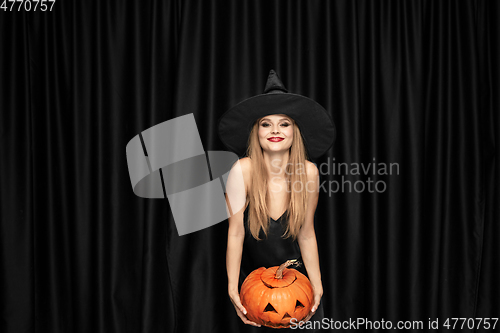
x=273, y=296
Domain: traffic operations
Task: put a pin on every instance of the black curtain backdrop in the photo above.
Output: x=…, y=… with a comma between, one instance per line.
x=409, y=82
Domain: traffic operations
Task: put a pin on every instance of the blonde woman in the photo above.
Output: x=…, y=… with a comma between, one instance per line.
x=277, y=131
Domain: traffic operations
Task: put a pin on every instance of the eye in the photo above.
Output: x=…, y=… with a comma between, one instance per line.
x=298, y=305
x=267, y=124
x=270, y=308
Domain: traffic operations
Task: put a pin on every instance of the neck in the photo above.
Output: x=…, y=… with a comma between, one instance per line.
x=276, y=163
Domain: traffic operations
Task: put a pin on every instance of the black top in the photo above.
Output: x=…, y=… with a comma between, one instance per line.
x=268, y=252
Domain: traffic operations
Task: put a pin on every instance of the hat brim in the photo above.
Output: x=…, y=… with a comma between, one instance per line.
x=316, y=126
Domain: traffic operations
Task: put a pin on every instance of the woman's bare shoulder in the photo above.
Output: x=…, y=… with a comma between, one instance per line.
x=311, y=170
x=246, y=168
x=245, y=162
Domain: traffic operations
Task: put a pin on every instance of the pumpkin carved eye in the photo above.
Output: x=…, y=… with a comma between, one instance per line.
x=270, y=308
x=298, y=305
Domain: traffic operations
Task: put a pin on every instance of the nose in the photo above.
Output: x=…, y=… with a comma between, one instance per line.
x=275, y=130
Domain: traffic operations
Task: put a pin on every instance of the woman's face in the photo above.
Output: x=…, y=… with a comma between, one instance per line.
x=276, y=132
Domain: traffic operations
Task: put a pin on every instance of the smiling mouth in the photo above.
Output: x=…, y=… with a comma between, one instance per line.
x=276, y=139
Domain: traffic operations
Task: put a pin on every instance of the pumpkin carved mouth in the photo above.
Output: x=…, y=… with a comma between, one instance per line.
x=270, y=308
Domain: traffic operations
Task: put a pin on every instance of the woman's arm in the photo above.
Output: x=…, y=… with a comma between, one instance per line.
x=307, y=236
x=236, y=189
x=235, y=237
x=236, y=201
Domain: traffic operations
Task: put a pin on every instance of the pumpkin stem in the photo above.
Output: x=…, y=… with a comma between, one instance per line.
x=279, y=272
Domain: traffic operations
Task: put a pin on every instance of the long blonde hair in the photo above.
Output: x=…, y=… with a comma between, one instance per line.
x=258, y=191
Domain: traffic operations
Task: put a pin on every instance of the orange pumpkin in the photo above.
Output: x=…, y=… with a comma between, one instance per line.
x=273, y=296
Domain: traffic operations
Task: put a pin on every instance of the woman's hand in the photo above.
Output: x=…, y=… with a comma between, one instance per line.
x=317, y=294
x=240, y=310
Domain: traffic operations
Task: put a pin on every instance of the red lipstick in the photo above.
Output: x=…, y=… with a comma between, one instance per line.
x=276, y=139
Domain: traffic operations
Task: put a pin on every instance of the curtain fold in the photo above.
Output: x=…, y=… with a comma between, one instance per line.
x=412, y=83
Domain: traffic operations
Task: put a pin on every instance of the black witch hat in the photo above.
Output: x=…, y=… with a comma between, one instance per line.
x=316, y=126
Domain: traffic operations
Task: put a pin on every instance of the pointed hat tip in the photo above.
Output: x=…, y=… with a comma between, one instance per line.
x=274, y=84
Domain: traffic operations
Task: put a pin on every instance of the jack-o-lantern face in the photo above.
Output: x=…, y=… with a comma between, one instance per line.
x=274, y=296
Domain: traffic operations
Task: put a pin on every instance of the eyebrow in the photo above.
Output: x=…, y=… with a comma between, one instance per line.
x=270, y=119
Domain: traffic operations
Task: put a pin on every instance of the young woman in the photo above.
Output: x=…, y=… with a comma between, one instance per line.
x=280, y=188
